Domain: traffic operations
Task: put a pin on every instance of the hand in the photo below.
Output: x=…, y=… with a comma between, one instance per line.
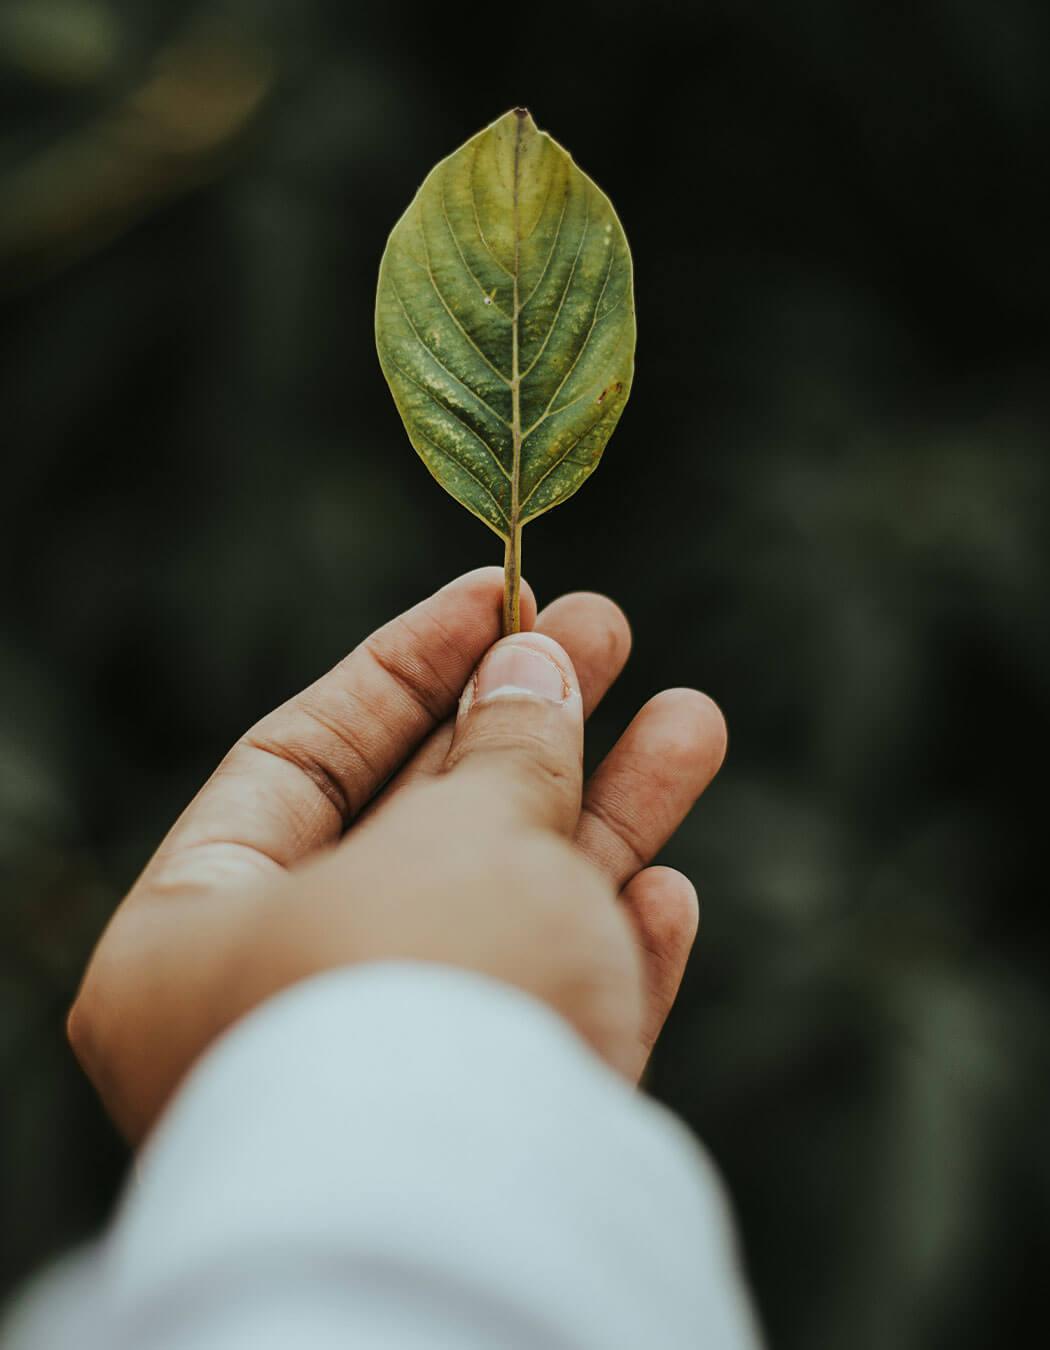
x=483, y=850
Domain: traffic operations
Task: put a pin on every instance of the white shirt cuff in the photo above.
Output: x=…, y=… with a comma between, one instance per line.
x=414, y=1156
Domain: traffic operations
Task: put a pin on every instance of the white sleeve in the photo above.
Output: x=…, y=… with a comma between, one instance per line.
x=413, y=1157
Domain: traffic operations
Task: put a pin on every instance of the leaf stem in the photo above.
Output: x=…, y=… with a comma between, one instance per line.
x=512, y=583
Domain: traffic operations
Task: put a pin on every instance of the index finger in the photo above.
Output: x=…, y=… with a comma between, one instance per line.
x=295, y=780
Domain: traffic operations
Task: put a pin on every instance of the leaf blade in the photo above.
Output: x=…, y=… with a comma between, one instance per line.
x=505, y=323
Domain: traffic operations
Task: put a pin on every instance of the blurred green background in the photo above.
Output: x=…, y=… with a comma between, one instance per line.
x=843, y=296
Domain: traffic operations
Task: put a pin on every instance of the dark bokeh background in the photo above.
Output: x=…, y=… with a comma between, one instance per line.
x=826, y=504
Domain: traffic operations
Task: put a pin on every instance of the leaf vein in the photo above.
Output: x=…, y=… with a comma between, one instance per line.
x=564, y=294
x=447, y=454
x=445, y=407
x=581, y=349
x=562, y=458
x=462, y=256
x=554, y=245
x=444, y=304
x=477, y=218
x=437, y=360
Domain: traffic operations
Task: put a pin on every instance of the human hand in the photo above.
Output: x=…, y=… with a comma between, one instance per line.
x=359, y=822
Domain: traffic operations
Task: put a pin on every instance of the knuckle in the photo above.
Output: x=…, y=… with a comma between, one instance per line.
x=619, y=824
x=301, y=755
x=575, y=904
x=79, y=1032
x=529, y=770
x=87, y=1033
x=491, y=731
x=98, y=1024
x=547, y=868
x=401, y=654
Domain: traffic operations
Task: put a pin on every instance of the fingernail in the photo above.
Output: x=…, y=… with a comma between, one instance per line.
x=517, y=670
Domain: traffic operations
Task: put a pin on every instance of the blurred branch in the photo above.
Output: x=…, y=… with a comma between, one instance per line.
x=62, y=44
x=174, y=132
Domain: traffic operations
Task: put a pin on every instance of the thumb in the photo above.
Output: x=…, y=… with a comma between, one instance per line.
x=520, y=731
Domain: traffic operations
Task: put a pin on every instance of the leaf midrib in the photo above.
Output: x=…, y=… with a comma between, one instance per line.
x=515, y=373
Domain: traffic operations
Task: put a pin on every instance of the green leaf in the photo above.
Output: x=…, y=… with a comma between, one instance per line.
x=505, y=327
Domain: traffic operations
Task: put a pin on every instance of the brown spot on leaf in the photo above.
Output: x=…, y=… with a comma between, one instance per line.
x=610, y=389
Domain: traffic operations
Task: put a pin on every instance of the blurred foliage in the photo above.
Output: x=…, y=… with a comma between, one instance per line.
x=207, y=497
